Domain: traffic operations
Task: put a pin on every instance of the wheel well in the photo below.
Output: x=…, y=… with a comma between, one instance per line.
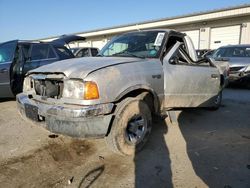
x=145, y=95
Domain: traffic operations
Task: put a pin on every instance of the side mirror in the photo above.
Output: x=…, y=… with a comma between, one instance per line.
x=173, y=61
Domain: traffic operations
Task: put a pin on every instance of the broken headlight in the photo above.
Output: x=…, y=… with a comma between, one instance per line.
x=27, y=84
x=73, y=89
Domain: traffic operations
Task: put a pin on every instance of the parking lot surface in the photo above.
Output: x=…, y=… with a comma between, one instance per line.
x=204, y=149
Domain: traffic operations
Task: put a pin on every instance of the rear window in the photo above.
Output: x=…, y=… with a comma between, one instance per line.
x=94, y=51
x=39, y=51
x=63, y=52
x=83, y=53
x=233, y=52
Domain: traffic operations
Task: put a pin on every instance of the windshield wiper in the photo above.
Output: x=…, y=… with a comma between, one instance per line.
x=129, y=54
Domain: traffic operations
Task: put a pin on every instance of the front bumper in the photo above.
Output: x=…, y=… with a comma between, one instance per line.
x=70, y=120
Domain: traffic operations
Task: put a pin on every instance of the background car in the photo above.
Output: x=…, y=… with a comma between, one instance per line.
x=18, y=57
x=204, y=53
x=238, y=57
x=208, y=54
x=74, y=50
x=200, y=53
x=86, y=52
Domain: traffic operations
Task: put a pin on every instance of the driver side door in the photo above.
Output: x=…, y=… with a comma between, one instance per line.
x=187, y=84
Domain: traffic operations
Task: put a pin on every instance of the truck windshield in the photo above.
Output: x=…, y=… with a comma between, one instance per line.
x=7, y=51
x=143, y=44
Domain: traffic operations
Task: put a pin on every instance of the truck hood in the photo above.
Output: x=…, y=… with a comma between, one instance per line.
x=81, y=67
x=239, y=61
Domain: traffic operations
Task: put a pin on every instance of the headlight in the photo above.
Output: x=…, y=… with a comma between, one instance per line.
x=73, y=89
x=77, y=89
x=27, y=84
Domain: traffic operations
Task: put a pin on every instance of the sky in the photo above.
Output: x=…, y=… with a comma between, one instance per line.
x=35, y=19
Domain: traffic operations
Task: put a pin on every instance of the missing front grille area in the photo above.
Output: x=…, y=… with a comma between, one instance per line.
x=49, y=88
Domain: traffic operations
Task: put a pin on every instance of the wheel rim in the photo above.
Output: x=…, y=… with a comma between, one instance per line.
x=136, y=129
x=217, y=100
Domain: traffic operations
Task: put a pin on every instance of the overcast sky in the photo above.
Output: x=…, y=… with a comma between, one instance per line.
x=33, y=19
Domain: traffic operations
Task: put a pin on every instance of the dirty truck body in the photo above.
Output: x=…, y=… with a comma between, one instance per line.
x=114, y=95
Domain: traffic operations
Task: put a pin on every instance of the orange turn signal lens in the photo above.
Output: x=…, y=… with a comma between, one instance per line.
x=90, y=91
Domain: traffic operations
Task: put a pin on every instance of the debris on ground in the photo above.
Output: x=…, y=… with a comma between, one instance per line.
x=215, y=168
x=101, y=157
x=244, y=136
x=53, y=136
x=211, y=132
x=197, y=154
x=70, y=181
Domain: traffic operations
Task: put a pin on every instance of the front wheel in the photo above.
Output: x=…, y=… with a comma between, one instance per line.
x=131, y=127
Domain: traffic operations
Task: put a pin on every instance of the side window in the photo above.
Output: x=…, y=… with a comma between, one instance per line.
x=63, y=52
x=25, y=51
x=39, y=51
x=179, y=58
x=83, y=53
x=220, y=52
x=7, y=51
x=94, y=51
x=172, y=41
x=51, y=53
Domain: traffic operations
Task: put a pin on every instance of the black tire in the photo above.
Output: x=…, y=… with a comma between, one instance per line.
x=121, y=139
x=217, y=101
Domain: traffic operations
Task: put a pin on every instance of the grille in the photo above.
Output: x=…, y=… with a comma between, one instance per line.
x=49, y=88
x=235, y=69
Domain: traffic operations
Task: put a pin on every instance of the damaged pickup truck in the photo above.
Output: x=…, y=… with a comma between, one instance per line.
x=114, y=95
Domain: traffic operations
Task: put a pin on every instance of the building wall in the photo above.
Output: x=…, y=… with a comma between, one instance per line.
x=199, y=26
x=204, y=29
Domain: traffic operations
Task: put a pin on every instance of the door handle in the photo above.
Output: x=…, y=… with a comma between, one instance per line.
x=3, y=70
x=214, y=76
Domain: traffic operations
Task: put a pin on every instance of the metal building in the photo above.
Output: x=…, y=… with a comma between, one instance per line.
x=208, y=30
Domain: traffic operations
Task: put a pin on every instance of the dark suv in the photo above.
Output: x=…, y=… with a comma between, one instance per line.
x=18, y=57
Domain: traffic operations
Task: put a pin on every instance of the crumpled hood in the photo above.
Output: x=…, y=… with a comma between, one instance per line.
x=81, y=67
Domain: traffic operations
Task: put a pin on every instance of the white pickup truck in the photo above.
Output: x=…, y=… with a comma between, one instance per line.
x=114, y=95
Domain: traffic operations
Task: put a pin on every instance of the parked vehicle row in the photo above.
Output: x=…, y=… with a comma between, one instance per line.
x=114, y=95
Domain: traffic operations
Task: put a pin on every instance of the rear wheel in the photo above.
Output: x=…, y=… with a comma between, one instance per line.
x=131, y=127
x=217, y=101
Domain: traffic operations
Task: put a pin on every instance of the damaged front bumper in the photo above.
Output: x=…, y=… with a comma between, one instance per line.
x=71, y=120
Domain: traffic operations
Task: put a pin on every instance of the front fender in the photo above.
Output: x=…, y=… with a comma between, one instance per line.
x=137, y=89
x=114, y=82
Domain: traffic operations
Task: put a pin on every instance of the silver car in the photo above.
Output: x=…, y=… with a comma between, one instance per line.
x=238, y=57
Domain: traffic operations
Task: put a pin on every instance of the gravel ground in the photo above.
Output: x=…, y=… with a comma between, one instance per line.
x=204, y=149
